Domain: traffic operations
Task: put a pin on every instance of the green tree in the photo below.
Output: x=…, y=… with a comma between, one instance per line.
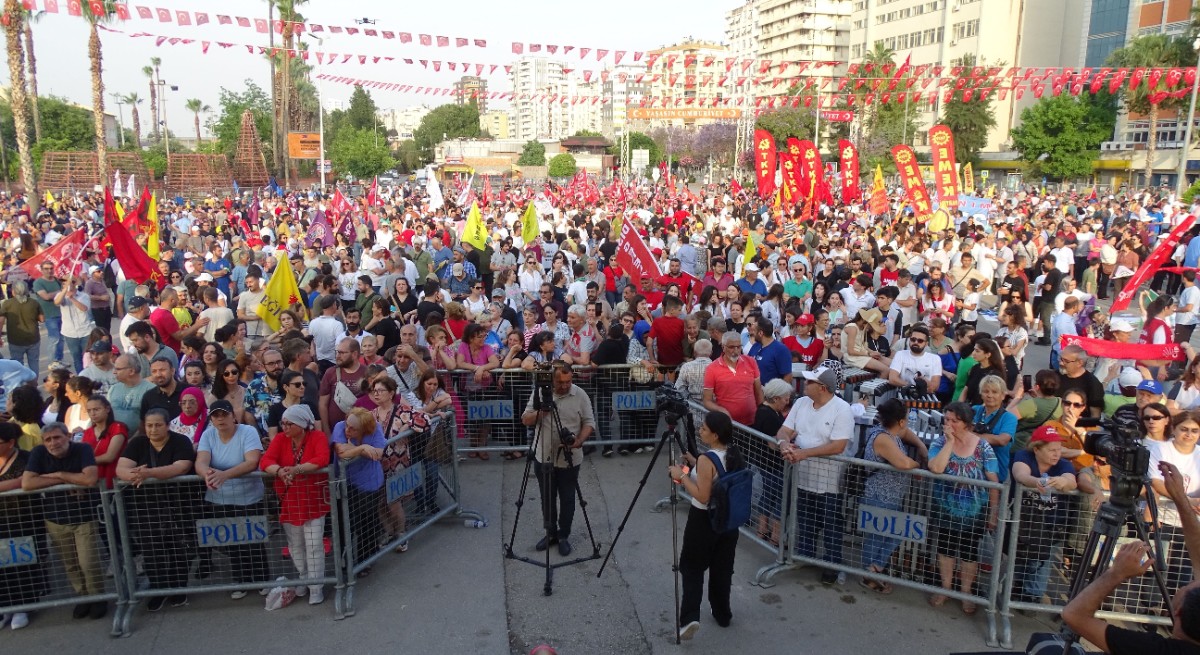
x=639, y=141
x=446, y=122
x=226, y=124
x=787, y=121
x=1152, y=51
x=586, y=133
x=970, y=121
x=1060, y=136
x=534, y=154
x=408, y=157
x=356, y=152
x=562, y=165
x=362, y=113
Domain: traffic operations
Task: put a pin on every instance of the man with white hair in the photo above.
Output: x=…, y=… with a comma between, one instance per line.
x=691, y=374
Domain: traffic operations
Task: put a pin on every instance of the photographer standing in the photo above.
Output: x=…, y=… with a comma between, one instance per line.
x=1132, y=561
x=556, y=462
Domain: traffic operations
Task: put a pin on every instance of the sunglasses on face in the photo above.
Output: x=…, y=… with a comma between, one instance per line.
x=1069, y=403
x=1154, y=417
x=230, y=372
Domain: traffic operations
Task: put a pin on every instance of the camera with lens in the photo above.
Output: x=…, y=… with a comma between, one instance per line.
x=672, y=402
x=918, y=389
x=567, y=438
x=1119, y=443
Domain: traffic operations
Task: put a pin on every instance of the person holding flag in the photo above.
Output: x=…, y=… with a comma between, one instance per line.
x=281, y=294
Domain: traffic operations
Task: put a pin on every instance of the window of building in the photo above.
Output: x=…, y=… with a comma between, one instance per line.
x=966, y=29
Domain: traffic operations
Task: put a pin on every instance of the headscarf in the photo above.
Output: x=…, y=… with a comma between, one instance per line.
x=301, y=415
x=200, y=420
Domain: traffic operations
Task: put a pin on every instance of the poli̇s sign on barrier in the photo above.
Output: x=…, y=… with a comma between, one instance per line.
x=490, y=410
x=629, y=401
x=17, y=551
x=404, y=481
x=232, y=531
x=890, y=523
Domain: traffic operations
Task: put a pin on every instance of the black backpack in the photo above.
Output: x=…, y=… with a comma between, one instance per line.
x=729, y=501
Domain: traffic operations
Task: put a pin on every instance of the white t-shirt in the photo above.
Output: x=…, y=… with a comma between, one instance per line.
x=1064, y=258
x=972, y=300
x=817, y=427
x=907, y=365
x=910, y=314
x=1189, y=296
x=1188, y=465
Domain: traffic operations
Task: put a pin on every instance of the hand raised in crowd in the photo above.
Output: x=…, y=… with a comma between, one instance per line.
x=1132, y=560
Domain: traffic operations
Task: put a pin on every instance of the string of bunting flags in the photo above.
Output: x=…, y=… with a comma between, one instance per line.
x=884, y=80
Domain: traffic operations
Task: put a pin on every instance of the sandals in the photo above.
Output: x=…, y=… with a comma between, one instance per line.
x=484, y=456
x=937, y=600
x=402, y=548
x=881, y=588
x=969, y=608
x=473, y=455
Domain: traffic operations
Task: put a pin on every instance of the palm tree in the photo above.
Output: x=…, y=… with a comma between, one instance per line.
x=151, y=72
x=1152, y=51
x=13, y=32
x=880, y=55
x=195, y=105
x=95, y=57
x=31, y=76
x=133, y=101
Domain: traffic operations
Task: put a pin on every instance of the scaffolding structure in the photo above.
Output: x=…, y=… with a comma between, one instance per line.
x=79, y=170
x=194, y=176
x=249, y=165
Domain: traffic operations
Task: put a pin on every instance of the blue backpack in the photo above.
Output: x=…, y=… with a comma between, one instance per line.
x=729, y=501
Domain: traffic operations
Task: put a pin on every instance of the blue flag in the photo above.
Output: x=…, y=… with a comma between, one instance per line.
x=278, y=190
x=236, y=190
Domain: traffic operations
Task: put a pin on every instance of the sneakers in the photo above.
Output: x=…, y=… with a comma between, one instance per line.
x=564, y=547
x=98, y=610
x=724, y=623
x=316, y=597
x=607, y=452
x=688, y=631
x=81, y=611
x=829, y=578
x=545, y=543
x=301, y=592
x=20, y=620
x=156, y=604
x=178, y=600
x=239, y=594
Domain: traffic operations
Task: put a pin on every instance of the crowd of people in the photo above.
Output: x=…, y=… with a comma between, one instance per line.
x=757, y=312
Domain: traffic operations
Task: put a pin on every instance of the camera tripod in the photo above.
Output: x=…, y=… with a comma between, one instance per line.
x=672, y=439
x=1111, y=519
x=544, y=402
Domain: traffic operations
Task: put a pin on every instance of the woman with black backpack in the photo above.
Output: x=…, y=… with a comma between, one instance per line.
x=703, y=547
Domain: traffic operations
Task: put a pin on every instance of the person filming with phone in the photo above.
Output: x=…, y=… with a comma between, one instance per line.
x=1134, y=560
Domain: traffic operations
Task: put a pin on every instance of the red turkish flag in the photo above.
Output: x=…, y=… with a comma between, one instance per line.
x=425, y=39
x=443, y=41
x=242, y=21
x=164, y=15
x=74, y=8
x=224, y=20
x=201, y=18
x=518, y=48
x=52, y=6
x=97, y=8
x=183, y=18
x=260, y=25
x=122, y=11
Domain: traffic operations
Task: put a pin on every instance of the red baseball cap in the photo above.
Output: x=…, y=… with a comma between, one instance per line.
x=1046, y=434
x=805, y=319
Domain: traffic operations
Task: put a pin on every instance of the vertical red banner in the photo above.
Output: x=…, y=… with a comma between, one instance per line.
x=914, y=184
x=789, y=166
x=945, y=170
x=764, y=162
x=851, y=183
x=810, y=168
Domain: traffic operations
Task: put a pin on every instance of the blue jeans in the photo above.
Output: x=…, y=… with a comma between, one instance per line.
x=54, y=334
x=76, y=345
x=819, y=513
x=1054, y=355
x=1032, y=578
x=31, y=353
x=878, y=549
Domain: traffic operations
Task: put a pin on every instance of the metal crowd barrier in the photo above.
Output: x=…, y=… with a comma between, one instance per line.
x=1045, y=542
x=175, y=541
x=489, y=413
x=421, y=486
x=56, y=545
x=852, y=527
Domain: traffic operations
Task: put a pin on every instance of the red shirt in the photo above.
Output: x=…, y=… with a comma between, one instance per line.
x=305, y=498
x=887, y=277
x=807, y=355
x=100, y=446
x=668, y=333
x=733, y=388
x=164, y=321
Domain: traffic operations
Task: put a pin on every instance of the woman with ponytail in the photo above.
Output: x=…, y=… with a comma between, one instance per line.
x=703, y=547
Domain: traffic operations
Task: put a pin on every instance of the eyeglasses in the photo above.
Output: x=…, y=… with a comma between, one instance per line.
x=1155, y=417
x=1069, y=361
x=1074, y=404
x=379, y=390
x=919, y=342
x=296, y=385
x=230, y=372
x=286, y=424
x=479, y=287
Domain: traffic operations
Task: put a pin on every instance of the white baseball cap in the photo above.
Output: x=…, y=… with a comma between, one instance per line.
x=1121, y=325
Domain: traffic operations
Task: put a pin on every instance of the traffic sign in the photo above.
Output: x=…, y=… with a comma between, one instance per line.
x=639, y=158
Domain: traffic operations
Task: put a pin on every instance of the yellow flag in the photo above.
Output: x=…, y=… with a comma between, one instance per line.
x=529, y=224
x=968, y=181
x=751, y=250
x=473, y=232
x=120, y=210
x=152, y=245
x=281, y=293
x=877, y=185
x=49, y=199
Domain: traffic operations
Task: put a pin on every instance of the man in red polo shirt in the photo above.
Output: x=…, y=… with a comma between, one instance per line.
x=731, y=383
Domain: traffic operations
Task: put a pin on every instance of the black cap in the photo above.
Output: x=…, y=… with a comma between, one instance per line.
x=220, y=406
x=101, y=346
x=138, y=302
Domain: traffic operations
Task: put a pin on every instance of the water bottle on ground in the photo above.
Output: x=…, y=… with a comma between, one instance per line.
x=475, y=523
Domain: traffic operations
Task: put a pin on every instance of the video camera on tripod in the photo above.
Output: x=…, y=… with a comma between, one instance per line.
x=674, y=404
x=1119, y=443
x=543, y=399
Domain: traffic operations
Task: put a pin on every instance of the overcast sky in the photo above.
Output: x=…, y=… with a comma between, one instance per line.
x=61, y=44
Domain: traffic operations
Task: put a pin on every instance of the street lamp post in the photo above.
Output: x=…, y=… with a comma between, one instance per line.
x=1181, y=177
x=120, y=119
x=320, y=116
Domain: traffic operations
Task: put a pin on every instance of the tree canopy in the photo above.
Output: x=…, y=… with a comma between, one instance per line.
x=355, y=152
x=562, y=165
x=799, y=122
x=1060, y=136
x=226, y=122
x=969, y=120
x=446, y=122
x=533, y=154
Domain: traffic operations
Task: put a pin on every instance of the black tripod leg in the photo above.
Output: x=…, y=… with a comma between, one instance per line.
x=637, y=494
x=512, y=539
x=587, y=522
x=1160, y=562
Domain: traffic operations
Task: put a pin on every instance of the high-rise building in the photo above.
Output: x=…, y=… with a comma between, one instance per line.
x=687, y=74
x=741, y=30
x=804, y=31
x=624, y=88
x=579, y=106
x=404, y=120
x=943, y=32
x=534, y=79
x=470, y=87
